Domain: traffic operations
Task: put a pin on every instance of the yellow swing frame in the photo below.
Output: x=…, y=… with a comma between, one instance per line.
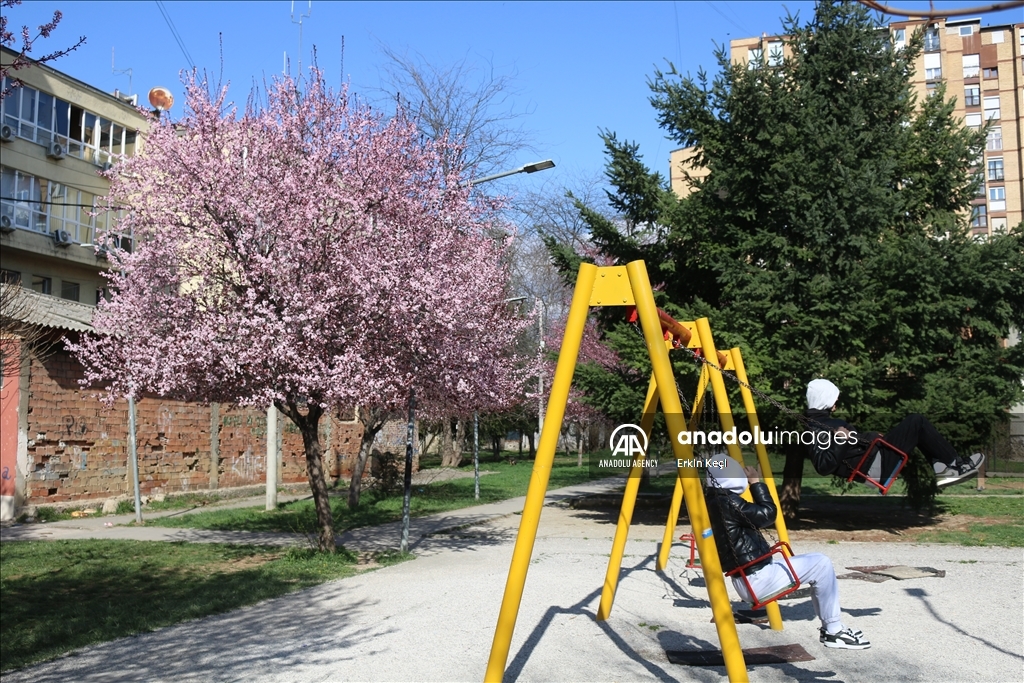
x=630, y=285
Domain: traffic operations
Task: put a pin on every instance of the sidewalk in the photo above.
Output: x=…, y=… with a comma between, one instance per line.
x=383, y=537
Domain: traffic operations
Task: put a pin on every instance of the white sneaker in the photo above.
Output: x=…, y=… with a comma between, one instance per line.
x=845, y=640
x=962, y=471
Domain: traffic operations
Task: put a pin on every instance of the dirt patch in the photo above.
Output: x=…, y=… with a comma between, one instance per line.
x=443, y=474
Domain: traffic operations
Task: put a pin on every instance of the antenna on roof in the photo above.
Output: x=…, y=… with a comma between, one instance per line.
x=309, y=10
x=117, y=72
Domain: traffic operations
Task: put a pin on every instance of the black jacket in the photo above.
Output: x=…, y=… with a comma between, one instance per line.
x=828, y=456
x=735, y=524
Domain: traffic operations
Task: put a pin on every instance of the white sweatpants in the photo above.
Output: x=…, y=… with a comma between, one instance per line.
x=814, y=569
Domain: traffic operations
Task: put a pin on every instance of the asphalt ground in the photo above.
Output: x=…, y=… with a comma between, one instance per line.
x=433, y=618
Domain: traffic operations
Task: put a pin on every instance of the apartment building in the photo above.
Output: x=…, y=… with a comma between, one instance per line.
x=56, y=135
x=982, y=67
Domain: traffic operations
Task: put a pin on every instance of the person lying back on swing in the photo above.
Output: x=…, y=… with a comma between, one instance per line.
x=736, y=526
x=840, y=456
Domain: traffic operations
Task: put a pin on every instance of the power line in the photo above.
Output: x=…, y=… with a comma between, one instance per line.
x=174, y=33
x=721, y=14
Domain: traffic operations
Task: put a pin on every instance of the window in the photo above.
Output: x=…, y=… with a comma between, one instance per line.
x=978, y=217
x=992, y=108
x=999, y=225
x=41, y=284
x=775, y=54
x=43, y=118
x=972, y=67
x=10, y=277
x=966, y=31
x=995, y=169
x=997, y=36
x=980, y=192
x=69, y=290
x=44, y=206
x=997, y=199
x=933, y=66
x=990, y=72
x=994, y=142
x=931, y=39
x=899, y=38
x=754, y=57
x=972, y=96
x=972, y=120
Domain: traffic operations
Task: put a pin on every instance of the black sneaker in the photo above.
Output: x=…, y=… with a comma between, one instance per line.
x=822, y=633
x=845, y=640
x=963, y=470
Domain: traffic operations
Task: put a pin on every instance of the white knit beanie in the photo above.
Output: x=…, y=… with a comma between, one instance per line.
x=821, y=394
x=725, y=473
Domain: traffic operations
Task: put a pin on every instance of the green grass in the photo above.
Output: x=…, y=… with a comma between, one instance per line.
x=181, y=502
x=56, y=596
x=508, y=481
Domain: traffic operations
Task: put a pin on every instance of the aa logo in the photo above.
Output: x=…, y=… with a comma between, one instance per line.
x=628, y=440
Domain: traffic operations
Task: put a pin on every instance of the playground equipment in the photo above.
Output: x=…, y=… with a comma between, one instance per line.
x=865, y=461
x=630, y=286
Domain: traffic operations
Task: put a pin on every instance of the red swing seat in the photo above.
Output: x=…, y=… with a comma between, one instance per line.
x=694, y=561
x=776, y=549
x=858, y=471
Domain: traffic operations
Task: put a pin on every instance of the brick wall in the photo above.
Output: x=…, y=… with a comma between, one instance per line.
x=77, y=447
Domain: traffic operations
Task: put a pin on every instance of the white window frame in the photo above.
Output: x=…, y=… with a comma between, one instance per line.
x=972, y=120
x=776, y=53
x=972, y=66
x=991, y=107
x=932, y=66
x=994, y=141
x=899, y=38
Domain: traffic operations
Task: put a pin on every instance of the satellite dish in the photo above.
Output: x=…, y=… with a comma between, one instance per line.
x=161, y=98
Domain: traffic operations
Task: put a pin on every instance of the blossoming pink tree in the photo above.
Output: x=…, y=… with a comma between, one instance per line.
x=308, y=254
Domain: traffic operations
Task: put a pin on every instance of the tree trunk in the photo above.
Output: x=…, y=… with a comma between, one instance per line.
x=373, y=420
x=496, y=446
x=461, y=433
x=309, y=427
x=453, y=445
x=445, y=445
x=579, y=446
x=792, y=480
x=533, y=453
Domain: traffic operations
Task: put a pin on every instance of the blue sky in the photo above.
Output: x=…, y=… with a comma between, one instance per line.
x=581, y=66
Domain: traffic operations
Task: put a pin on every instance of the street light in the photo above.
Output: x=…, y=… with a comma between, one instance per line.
x=528, y=168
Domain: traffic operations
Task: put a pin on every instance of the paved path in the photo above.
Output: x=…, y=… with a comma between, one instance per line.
x=432, y=619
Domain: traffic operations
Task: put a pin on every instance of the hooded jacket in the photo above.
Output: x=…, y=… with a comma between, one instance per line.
x=735, y=524
x=826, y=454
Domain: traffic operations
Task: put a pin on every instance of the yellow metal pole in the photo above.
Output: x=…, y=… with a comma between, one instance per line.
x=541, y=473
x=611, y=577
x=677, y=492
x=762, y=452
x=729, y=425
x=673, y=410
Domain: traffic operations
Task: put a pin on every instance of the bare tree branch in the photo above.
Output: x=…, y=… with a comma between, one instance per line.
x=474, y=105
x=23, y=59
x=934, y=13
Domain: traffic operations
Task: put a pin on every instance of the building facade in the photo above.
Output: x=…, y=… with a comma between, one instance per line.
x=982, y=67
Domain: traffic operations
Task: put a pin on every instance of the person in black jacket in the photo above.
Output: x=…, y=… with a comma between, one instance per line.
x=736, y=525
x=839, y=446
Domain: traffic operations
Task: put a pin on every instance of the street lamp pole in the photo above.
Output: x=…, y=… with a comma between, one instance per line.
x=528, y=168
x=132, y=443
